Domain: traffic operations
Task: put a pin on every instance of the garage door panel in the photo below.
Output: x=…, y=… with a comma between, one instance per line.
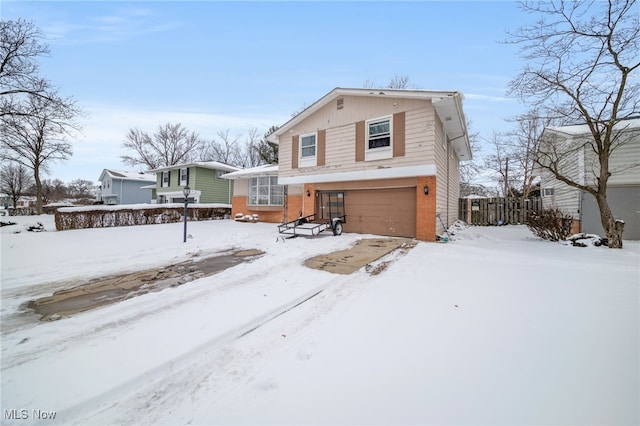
x=381, y=211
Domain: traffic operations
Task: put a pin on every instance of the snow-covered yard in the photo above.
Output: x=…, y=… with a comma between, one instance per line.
x=494, y=327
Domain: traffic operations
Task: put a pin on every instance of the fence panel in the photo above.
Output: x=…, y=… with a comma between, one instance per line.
x=498, y=210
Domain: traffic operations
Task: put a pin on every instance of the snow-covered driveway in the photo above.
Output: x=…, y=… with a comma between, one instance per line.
x=495, y=327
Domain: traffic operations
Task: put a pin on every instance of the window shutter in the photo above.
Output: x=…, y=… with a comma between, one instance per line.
x=294, y=152
x=168, y=177
x=321, y=147
x=360, y=136
x=398, y=134
x=187, y=176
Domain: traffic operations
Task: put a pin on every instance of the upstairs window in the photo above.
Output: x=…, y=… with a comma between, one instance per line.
x=379, y=141
x=308, y=144
x=379, y=134
x=166, y=179
x=184, y=177
x=547, y=192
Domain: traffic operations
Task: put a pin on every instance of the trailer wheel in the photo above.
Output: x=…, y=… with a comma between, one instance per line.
x=337, y=227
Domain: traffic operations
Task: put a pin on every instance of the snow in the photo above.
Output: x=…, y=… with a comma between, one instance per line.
x=493, y=327
x=114, y=207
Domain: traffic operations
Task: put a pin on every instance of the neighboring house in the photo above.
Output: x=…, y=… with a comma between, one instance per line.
x=118, y=187
x=623, y=190
x=391, y=156
x=204, y=180
x=5, y=201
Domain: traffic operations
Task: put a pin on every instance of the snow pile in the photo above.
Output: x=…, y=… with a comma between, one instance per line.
x=497, y=328
x=585, y=240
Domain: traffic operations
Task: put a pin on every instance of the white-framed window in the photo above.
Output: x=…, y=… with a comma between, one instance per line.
x=265, y=191
x=166, y=179
x=184, y=177
x=308, y=149
x=547, y=192
x=379, y=140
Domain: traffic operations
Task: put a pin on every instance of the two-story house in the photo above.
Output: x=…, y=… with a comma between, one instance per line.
x=390, y=156
x=119, y=187
x=203, y=178
x=581, y=165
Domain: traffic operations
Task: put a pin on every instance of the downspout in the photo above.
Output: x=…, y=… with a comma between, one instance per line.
x=448, y=175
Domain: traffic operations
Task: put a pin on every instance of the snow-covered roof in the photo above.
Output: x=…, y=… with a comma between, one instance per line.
x=118, y=174
x=583, y=129
x=215, y=165
x=265, y=170
x=448, y=105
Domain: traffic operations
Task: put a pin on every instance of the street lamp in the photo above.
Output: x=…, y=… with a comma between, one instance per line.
x=186, y=191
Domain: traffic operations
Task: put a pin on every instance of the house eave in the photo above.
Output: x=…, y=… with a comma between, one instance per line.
x=448, y=105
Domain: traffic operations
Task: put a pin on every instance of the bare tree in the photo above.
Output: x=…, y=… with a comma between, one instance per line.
x=581, y=64
x=81, y=188
x=21, y=44
x=14, y=181
x=523, y=146
x=225, y=149
x=53, y=190
x=249, y=156
x=470, y=169
x=171, y=144
x=39, y=136
x=498, y=163
x=396, y=82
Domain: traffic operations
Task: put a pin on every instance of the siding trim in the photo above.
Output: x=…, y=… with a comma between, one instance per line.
x=360, y=140
x=320, y=147
x=294, y=152
x=398, y=134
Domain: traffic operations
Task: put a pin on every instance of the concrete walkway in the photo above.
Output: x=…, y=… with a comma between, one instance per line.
x=362, y=253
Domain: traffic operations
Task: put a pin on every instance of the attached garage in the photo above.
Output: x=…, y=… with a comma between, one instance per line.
x=381, y=211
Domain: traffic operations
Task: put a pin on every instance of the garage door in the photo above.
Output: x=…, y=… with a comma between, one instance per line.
x=381, y=211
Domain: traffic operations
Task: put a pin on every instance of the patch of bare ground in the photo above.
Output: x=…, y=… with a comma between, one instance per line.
x=115, y=288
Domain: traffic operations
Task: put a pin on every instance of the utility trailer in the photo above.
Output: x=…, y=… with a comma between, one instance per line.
x=330, y=214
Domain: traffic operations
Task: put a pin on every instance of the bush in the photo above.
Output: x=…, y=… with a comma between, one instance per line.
x=550, y=224
x=108, y=216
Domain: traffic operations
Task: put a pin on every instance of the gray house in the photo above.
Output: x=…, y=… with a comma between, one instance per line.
x=118, y=187
x=581, y=165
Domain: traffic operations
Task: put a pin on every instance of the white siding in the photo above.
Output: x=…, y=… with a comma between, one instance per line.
x=624, y=163
x=340, y=149
x=241, y=188
x=565, y=197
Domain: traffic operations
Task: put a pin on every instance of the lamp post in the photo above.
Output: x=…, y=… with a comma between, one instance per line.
x=186, y=191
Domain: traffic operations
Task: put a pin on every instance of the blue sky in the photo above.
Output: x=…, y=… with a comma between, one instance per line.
x=215, y=66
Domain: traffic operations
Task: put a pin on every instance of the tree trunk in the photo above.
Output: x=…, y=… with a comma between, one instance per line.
x=36, y=176
x=612, y=227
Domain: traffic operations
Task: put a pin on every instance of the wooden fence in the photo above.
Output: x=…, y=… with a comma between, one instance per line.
x=497, y=211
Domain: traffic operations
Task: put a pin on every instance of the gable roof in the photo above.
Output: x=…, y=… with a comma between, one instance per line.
x=214, y=165
x=582, y=129
x=448, y=106
x=135, y=176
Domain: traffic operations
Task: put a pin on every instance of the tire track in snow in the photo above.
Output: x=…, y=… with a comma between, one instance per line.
x=216, y=364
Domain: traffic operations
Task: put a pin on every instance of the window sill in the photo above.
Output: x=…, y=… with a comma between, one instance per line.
x=264, y=207
x=378, y=154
